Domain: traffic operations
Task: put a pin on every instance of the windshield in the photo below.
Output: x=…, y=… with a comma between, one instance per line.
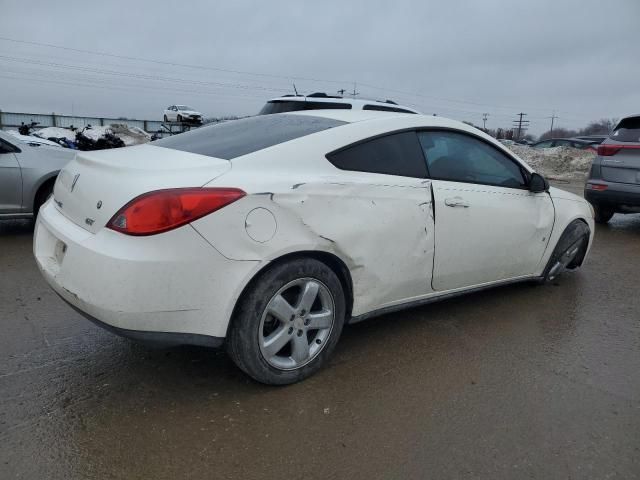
x=184, y=107
x=239, y=137
x=282, y=106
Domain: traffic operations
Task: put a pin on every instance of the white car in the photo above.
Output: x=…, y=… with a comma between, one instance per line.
x=268, y=234
x=182, y=114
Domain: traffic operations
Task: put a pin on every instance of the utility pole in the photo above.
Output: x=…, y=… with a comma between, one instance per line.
x=354, y=93
x=484, y=120
x=552, y=117
x=520, y=124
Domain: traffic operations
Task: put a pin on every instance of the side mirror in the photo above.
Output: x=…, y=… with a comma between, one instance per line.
x=538, y=183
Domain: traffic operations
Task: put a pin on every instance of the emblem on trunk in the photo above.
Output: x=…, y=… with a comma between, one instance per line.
x=89, y=221
x=75, y=180
x=99, y=204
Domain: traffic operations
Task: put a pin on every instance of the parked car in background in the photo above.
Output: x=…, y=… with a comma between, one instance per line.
x=32, y=140
x=27, y=175
x=322, y=101
x=565, y=142
x=613, y=185
x=264, y=234
x=182, y=114
x=596, y=139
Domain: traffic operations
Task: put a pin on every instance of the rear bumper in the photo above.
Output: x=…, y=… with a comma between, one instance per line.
x=170, y=288
x=616, y=195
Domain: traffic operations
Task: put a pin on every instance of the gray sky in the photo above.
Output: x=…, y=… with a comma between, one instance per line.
x=455, y=58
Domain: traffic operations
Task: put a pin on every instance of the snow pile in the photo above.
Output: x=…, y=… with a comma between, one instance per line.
x=558, y=163
x=129, y=135
x=55, y=132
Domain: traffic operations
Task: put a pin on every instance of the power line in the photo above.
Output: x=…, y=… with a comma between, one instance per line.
x=258, y=74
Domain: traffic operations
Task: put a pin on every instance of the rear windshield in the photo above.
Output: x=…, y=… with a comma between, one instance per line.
x=384, y=108
x=628, y=130
x=283, y=106
x=239, y=137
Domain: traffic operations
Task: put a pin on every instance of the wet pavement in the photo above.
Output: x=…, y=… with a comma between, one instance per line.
x=517, y=382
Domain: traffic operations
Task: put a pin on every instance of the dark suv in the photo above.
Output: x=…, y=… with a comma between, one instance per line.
x=613, y=185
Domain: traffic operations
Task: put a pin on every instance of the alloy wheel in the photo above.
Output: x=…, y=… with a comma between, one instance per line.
x=296, y=324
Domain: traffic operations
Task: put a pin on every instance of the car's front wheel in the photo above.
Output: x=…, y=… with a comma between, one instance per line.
x=569, y=252
x=288, y=322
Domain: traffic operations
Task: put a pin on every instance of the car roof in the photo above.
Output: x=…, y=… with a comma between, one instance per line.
x=356, y=102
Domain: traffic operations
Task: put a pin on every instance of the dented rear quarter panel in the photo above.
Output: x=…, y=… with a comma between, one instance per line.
x=379, y=226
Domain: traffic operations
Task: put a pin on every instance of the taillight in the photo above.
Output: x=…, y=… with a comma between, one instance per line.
x=163, y=210
x=598, y=187
x=608, y=150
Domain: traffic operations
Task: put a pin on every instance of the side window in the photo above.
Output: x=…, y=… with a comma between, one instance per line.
x=395, y=154
x=545, y=144
x=461, y=158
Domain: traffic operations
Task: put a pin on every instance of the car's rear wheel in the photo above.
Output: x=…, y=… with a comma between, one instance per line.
x=165, y=119
x=602, y=214
x=179, y=118
x=42, y=196
x=288, y=322
x=569, y=252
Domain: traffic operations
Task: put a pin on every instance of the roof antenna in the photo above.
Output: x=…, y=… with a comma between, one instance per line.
x=295, y=89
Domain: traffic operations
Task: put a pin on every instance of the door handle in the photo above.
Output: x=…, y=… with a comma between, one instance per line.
x=456, y=202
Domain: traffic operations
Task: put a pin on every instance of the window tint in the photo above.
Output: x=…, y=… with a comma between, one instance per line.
x=462, y=158
x=545, y=144
x=395, y=154
x=628, y=130
x=283, y=106
x=239, y=137
x=384, y=108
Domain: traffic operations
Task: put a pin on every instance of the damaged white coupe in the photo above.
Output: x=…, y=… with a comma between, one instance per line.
x=269, y=234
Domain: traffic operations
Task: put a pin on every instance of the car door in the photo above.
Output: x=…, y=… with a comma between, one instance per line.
x=10, y=179
x=488, y=225
x=386, y=213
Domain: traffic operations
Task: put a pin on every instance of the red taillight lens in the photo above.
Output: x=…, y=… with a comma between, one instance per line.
x=608, y=150
x=162, y=210
x=599, y=187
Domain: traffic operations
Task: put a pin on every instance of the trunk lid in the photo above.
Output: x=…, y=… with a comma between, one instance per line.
x=623, y=167
x=95, y=185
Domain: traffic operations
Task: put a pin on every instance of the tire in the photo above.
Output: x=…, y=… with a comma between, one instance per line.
x=165, y=119
x=569, y=252
x=42, y=196
x=179, y=118
x=255, y=334
x=602, y=214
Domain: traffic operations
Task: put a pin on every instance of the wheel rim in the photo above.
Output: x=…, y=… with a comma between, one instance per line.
x=296, y=324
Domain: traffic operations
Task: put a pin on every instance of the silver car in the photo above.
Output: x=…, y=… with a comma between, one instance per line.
x=27, y=175
x=613, y=185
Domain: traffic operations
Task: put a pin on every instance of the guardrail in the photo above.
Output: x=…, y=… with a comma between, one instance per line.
x=15, y=119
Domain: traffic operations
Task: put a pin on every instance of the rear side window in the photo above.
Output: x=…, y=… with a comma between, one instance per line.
x=283, y=106
x=384, y=108
x=395, y=154
x=247, y=135
x=628, y=130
